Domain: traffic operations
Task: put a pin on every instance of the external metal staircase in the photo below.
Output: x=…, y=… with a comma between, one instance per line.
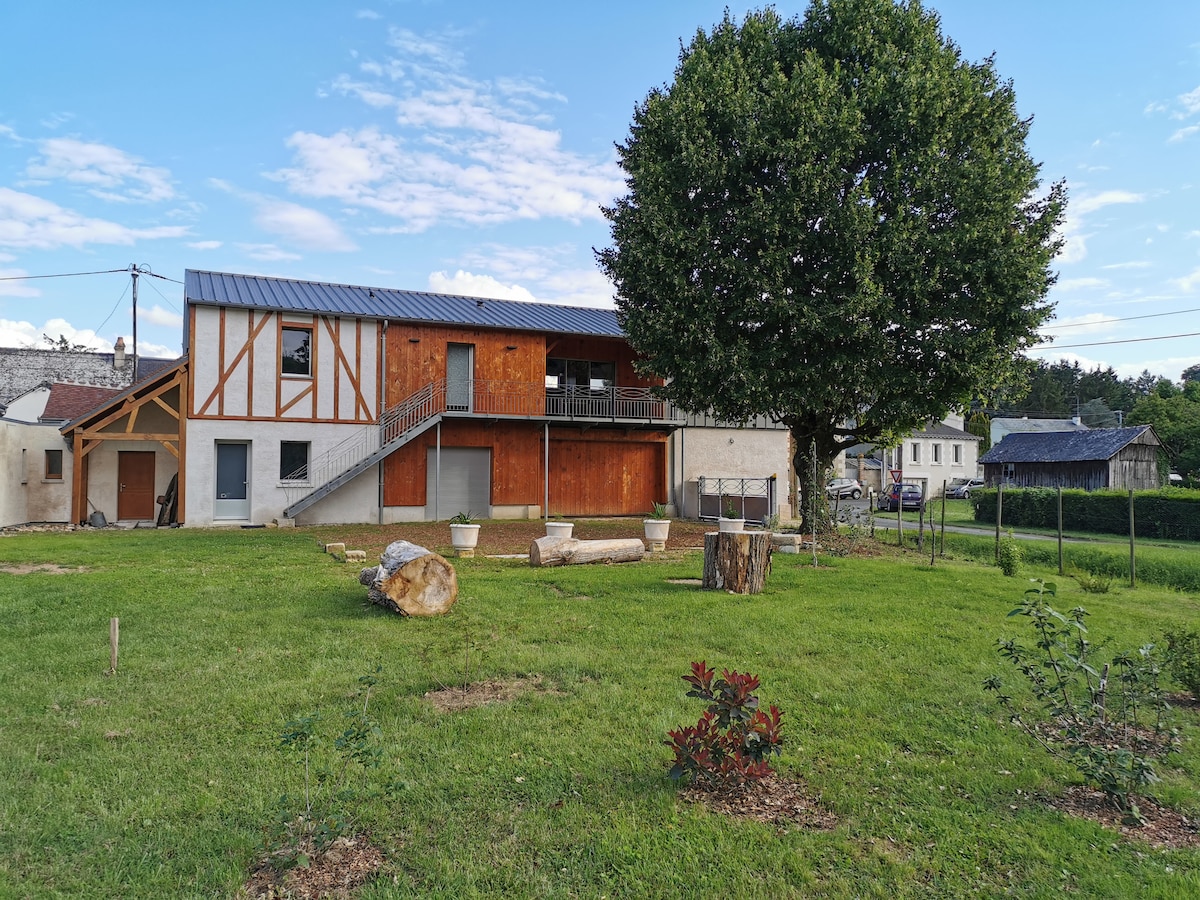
x=363, y=449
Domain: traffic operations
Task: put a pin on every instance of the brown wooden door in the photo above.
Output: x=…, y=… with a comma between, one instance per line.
x=135, y=484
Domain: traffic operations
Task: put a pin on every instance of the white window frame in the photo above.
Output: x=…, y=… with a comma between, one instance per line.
x=937, y=454
x=956, y=452
x=916, y=453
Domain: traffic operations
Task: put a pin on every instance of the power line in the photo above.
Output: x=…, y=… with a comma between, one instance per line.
x=63, y=275
x=1125, y=319
x=1047, y=346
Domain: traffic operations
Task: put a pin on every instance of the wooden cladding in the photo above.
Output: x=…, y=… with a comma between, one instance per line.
x=596, y=472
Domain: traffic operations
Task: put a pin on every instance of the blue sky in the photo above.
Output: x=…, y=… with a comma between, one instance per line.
x=466, y=147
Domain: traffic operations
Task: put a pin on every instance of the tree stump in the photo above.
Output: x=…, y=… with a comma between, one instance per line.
x=738, y=562
x=411, y=580
x=553, y=551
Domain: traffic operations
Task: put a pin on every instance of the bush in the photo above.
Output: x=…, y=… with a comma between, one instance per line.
x=1093, y=583
x=1108, y=720
x=733, y=739
x=1183, y=658
x=1170, y=513
x=1009, y=556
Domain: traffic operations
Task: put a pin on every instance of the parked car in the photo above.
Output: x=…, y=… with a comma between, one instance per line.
x=904, y=496
x=844, y=487
x=962, y=489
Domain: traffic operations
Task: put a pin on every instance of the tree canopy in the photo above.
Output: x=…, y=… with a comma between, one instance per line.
x=833, y=222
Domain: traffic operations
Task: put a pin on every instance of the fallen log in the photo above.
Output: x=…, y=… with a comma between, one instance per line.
x=737, y=561
x=555, y=551
x=411, y=580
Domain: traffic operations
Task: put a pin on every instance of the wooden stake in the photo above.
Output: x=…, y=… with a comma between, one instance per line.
x=114, y=639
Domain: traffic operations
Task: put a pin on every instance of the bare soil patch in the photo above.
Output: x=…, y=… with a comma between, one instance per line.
x=482, y=693
x=773, y=800
x=335, y=873
x=41, y=569
x=1163, y=828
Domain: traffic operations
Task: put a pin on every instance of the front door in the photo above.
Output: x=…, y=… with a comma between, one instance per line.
x=460, y=375
x=232, y=499
x=135, y=484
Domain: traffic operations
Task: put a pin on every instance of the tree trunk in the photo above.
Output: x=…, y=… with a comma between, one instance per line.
x=813, y=444
x=553, y=551
x=737, y=562
x=411, y=580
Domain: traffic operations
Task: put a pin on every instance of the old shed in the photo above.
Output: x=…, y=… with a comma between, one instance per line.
x=1121, y=458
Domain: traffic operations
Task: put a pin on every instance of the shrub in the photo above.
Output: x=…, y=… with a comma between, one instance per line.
x=733, y=739
x=1009, y=555
x=1093, y=582
x=1183, y=658
x=1108, y=720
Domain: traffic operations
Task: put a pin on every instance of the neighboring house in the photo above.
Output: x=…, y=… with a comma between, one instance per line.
x=1121, y=458
x=24, y=369
x=930, y=457
x=332, y=403
x=37, y=469
x=1003, y=426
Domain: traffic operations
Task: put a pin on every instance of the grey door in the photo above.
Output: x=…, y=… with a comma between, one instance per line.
x=232, y=500
x=465, y=484
x=460, y=376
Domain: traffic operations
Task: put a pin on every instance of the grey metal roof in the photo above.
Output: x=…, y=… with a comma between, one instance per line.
x=260, y=292
x=942, y=430
x=1064, y=446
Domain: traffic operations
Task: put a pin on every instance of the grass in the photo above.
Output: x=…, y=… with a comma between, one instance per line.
x=158, y=780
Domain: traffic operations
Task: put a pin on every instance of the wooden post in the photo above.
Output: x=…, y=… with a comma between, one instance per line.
x=114, y=639
x=1132, y=560
x=737, y=562
x=942, y=550
x=1060, y=549
x=999, y=510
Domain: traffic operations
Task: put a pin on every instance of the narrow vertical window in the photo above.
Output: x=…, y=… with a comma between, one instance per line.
x=937, y=454
x=916, y=453
x=295, y=351
x=54, y=465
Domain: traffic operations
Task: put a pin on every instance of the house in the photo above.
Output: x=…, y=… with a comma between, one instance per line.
x=1121, y=458
x=25, y=368
x=311, y=402
x=35, y=480
x=931, y=457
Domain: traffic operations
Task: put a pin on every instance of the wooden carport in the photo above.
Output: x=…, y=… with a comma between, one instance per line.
x=117, y=420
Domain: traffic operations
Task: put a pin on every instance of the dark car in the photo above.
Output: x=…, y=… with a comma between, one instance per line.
x=962, y=489
x=902, y=496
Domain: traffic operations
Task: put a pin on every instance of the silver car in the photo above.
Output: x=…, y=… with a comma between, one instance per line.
x=844, y=487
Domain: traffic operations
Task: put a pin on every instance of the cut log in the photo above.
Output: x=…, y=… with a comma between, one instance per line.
x=411, y=580
x=554, y=551
x=738, y=562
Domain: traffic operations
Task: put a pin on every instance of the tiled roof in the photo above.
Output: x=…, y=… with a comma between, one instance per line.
x=1064, y=446
x=69, y=401
x=259, y=292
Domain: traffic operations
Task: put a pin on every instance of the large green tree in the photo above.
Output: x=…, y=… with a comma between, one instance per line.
x=1176, y=419
x=833, y=222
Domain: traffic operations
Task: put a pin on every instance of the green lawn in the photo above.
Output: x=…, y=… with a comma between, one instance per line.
x=158, y=781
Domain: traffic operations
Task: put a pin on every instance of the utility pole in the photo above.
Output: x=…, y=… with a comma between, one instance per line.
x=134, y=272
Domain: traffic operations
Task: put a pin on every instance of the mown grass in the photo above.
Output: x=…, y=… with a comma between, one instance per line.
x=158, y=780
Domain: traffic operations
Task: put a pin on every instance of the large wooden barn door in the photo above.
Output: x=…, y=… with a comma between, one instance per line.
x=606, y=478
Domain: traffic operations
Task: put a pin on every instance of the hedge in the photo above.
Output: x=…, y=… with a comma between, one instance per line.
x=1171, y=513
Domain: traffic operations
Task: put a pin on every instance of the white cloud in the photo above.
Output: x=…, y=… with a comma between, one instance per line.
x=367, y=14
x=462, y=151
x=107, y=173
x=1093, y=202
x=1183, y=134
x=156, y=315
x=1090, y=323
x=1188, y=283
x=1080, y=284
x=204, y=245
x=26, y=334
x=15, y=288
x=1075, y=247
x=1133, y=264
x=32, y=223
x=267, y=252
x=470, y=285
x=302, y=225
x=552, y=274
x=1190, y=102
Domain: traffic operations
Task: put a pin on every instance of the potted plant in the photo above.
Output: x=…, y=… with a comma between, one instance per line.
x=559, y=529
x=658, y=526
x=464, y=533
x=731, y=521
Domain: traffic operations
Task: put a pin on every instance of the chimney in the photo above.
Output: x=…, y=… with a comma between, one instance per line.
x=119, y=354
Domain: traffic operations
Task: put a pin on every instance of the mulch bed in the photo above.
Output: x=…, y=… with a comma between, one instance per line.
x=482, y=693
x=774, y=800
x=334, y=874
x=1163, y=828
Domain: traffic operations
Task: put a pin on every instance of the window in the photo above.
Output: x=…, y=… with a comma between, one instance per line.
x=293, y=460
x=957, y=453
x=916, y=453
x=295, y=351
x=937, y=454
x=580, y=373
x=54, y=465
x=1010, y=472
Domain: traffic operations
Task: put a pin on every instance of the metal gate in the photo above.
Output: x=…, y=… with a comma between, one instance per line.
x=753, y=499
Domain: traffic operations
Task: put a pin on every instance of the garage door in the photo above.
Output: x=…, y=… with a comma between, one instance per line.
x=606, y=478
x=466, y=482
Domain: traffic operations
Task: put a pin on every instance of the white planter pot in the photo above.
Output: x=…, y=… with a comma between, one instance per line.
x=656, y=533
x=724, y=524
x=559, y=529
x=464, y=538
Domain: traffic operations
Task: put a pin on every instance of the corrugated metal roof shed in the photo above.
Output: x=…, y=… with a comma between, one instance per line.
x=1064, y=446
x=260, y=292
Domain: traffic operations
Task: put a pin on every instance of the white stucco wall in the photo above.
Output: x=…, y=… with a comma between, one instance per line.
x=29, y=406
x=25, y=494
x=357, y=501
x=727, y=453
